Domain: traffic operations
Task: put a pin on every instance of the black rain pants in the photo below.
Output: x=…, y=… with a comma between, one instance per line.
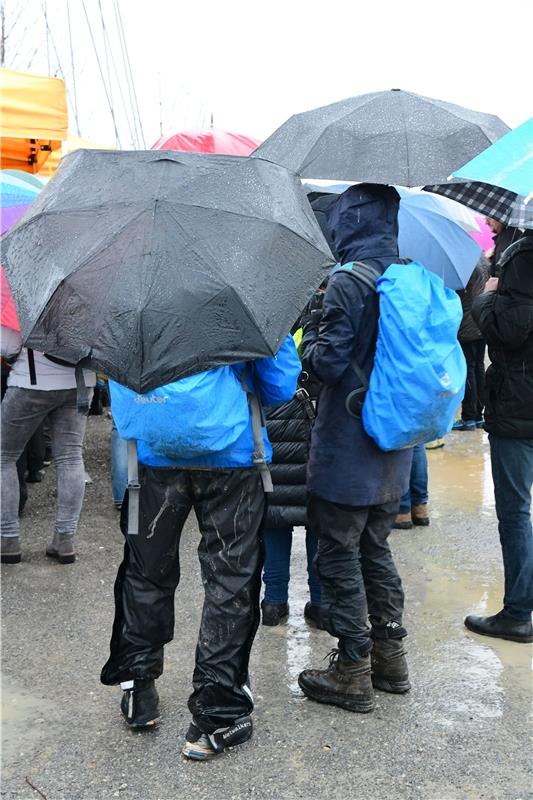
x=357, y=574
x=229, y=506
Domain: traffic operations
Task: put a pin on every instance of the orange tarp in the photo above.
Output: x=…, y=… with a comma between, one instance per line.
x=33, y=119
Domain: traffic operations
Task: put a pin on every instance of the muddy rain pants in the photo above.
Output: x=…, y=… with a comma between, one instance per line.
x=358, y=577
x=229, y=506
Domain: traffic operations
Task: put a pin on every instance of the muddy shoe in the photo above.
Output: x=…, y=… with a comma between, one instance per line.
x=140, y=703
x=200, y=746
x=344, y=683
x=10, y=550
x=501, y=626
x=62, y=548
x=389, y=666
x=419, y=514
x=274, y=613
x=403, y=522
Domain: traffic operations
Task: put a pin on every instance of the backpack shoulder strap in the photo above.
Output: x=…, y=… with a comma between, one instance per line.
x=364, y=273
x=259, y=454
x=134, y=488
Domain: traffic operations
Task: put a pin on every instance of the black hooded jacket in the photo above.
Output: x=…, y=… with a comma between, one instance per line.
x=345, y=464
x=505, y=318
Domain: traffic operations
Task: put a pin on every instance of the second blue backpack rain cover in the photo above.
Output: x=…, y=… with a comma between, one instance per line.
x=418, y=378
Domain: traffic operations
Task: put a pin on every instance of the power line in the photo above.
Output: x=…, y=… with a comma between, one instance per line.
x=74, y=90
x=125, y=50
x=117, y=137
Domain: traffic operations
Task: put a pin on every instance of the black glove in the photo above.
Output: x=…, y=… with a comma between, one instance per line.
x=313, y=311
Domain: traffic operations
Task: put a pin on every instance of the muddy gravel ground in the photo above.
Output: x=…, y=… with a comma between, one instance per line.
x=463, y=732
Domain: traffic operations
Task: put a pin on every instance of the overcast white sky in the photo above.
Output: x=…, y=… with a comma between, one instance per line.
x=253, y=63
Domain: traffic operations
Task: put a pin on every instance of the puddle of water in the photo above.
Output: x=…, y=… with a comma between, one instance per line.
x=460, y=475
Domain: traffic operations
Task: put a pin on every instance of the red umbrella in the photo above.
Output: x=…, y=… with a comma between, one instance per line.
x=210, y=140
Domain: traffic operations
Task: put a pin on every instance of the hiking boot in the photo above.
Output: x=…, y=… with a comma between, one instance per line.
x=62, y=548
x=389, y=666
x=139, y=703
x=501, y=626
x=200, y=746
x=419, y=514
x=403, y=522
x=344, y=683
x=10, y=550
x=274, y=613
x=313, y=616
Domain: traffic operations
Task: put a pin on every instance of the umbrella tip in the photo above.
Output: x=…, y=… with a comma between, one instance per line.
x=396, y=90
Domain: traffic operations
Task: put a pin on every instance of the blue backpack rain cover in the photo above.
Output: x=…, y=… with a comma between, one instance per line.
x=419, y=373
x=200, y=414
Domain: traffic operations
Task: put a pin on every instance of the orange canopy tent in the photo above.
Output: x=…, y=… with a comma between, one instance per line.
x=33, y=119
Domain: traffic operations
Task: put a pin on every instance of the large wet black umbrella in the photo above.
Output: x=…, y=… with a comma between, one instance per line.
x=149, y=266
x=391, y=137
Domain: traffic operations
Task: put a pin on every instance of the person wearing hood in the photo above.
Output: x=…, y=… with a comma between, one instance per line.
x=354, y=487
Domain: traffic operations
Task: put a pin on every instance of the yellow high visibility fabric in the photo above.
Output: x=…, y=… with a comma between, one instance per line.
x=33, y=119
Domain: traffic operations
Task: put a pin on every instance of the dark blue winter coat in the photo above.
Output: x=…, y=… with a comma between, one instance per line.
x=345, y=465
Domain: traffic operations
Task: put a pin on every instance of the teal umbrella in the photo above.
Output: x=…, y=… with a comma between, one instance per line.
x=507, y=163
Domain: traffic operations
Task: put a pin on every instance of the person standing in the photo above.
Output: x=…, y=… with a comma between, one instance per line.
x=225, y=489
x=354, y=487
x=473, y=347
x=504, y=315
x=40, y=388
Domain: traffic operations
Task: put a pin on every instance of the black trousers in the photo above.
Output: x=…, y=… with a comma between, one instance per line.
x=358, y=577
x=229, y=506
x=474, y=399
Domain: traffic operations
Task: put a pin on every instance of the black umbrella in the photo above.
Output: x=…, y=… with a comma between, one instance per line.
x=149, y=266
x=391, y=137
x=491, y=201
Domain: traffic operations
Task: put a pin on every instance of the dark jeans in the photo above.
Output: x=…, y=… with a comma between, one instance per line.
x=229, y=506
x=417, y=494
x=277, y=569
x=357, y=574
x=473, y=401
x=512, y=473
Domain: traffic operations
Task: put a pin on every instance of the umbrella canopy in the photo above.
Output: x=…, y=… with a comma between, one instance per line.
x=391, y=137
x=507, y=163
x=33, y=114
x=428, y=231
x=428, y=235
x=17, y=191
x=150, y=266
x=211, y=140
x=491, y=201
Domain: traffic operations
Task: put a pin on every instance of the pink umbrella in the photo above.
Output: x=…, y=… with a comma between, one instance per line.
x=484, y=235
x=210, y=140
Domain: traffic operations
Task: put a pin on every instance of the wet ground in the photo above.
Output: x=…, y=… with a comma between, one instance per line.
x=464, y=732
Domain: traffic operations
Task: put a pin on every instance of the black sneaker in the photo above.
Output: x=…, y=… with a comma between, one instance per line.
x=139, y=703
x=274, y=613
x=200, y=746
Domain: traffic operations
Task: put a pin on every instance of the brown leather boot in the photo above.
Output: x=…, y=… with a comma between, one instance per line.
x=420, y=514
x=403, y=522
x=389, y=666
x=344, y=683
x=62, y=547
